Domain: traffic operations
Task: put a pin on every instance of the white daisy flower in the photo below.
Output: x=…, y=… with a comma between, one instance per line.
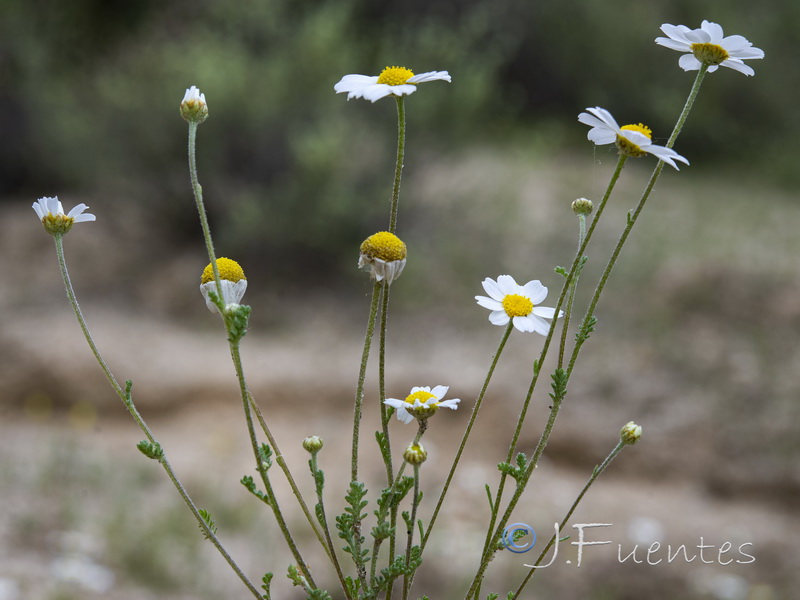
x=393, y=81
x=193, y=106
x=631, y=140
x=55, y=221
x=707, y=46
x=422, y=403
x=383, y=254
x=232, y=279
x=509, y=301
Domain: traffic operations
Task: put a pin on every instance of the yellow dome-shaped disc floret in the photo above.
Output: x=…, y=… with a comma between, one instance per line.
x=385, y=246
x=232, y=282
x=517, y=306
x=383, y=254
x=229, y=270
x=395, y=75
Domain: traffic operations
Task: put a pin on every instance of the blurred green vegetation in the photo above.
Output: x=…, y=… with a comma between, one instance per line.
x=297, y=176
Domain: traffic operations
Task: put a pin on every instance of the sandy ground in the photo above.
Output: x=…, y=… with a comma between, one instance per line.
x=703, y=355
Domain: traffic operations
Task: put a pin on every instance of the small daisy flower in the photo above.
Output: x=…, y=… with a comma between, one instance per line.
x=393, y=81
x=509, y=301
x=232, y=279
x=55, y=221
x=193, y=106
x=383, y=254
x=707, y=46
x=631, y=140
x=422, y=403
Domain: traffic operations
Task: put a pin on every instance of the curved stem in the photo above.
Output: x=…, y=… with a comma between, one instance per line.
x=387, y=453
x=125, y=396
x=201, y=210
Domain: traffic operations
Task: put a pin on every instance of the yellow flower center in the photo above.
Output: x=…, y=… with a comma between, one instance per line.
x=517, y=306
x=421, y=395
x=395, y=75
x=710, y=54
x=385, y=246
x=644, y=129
x=228, y=269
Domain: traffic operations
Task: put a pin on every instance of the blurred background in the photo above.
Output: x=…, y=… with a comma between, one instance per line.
x=698, y=330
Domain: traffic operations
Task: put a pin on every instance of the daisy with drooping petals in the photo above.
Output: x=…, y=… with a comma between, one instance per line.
x=55, y=221
x=393, y=81
x=707, y=46
x=631, y=140
x=233, y=281
x=383, y=254
x=422, y=403
x=508, y=301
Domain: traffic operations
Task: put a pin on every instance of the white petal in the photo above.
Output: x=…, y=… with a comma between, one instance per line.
x=430, y=76
x=404, y=416
x=635, y=137
x=439, y=391
x=535, y=291
x=499, y=317
x=414, y=390
x=539, y=325
x=545, y=312
x=673, y=44
x=688, y=62
x=490, y=285
x=604, y=116
x=350, y=83
x=738, y=66
x=85, y=217
x=376, y=92
x=601, y=136
x=394, y=402
x=714, y=31
x=523, y=324
x=452, y=403
x=507, y=285
x=489, y=303
x=39, y=210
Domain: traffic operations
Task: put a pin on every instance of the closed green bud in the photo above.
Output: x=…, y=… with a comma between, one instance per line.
x=630, y=433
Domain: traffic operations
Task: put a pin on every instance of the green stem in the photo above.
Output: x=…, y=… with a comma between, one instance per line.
x=362, y=374
x=633, y=217
x=262, y=468
x=125, y=396
x=464, y=438
x=571, y=275
x=595, y=474
x=382, y=385
x=414, y=504
x=201, y=210
x=398, y=169
x=324, y=524
x=571, y=300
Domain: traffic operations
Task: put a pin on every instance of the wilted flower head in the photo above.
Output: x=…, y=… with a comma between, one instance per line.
x=393, y=81
x=631, y=140
x=232, y=279
x=422, y=403
x=383, y=254
x=193, y=106
x=707, y=46
x=55, y=221
x=508, y=301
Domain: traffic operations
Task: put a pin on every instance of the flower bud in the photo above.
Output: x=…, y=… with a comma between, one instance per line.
x=193, y=107
x=630, y=433
x=313, y=444
x=582, y=206
x=415, y=454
